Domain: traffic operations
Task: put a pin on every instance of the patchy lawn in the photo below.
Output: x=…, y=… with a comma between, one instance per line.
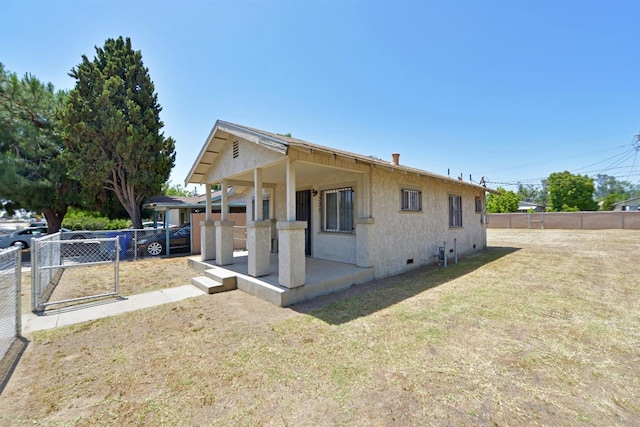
x=136, y=277
x=543, y=328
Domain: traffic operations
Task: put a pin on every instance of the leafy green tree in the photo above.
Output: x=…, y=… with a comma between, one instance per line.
x=533, y=193
x=506, y=201
x=177, y=190
x=113, y=135
x=606, y=185
x=569, y=192
x=527, y=192
x=33, y=176
x=609, y=200
x=544, y=193
x=107, y=204
x=610, y=190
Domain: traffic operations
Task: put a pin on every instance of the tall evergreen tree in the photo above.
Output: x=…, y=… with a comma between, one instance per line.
x=113, y=135
x=33, y=176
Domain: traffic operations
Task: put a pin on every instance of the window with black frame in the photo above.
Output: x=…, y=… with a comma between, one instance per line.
x=411, y=200
x=455, y=211
x=337, y=210
x=478, y=205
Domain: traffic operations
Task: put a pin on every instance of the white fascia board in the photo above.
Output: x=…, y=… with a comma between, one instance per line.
x=188, y=179
x=255, y=137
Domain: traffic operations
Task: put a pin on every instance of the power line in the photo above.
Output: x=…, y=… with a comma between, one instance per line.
x=602, y=161
x=573, y=156
x=539, y=184
x=617, y=162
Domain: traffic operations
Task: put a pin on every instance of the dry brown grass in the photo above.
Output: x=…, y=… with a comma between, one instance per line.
x=543, y=328
x=136, y=277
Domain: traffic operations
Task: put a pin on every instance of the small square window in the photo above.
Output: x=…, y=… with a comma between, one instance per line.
x=411, y=200
x=478, y=205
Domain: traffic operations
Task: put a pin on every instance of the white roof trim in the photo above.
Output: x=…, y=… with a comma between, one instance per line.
x=281, y=145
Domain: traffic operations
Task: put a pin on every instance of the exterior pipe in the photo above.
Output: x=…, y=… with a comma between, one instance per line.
x=455, y=251
x=166, y=232
x=444, y=245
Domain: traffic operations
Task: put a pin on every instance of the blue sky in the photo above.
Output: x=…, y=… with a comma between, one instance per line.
x=512, y=90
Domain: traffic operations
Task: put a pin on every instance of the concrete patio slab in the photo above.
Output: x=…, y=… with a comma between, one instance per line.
x=321, y=277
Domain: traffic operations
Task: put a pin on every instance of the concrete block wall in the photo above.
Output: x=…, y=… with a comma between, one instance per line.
x=567, y=220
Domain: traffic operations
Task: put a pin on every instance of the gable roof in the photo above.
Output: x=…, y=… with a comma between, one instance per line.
x=628, y=202
x=177, y=202
x=523, y=205
x=282, y=143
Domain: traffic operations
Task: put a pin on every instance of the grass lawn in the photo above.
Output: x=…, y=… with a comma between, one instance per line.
x=542, y=328
x=136, y=277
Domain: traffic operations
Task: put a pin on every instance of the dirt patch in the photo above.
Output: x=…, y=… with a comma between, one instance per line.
x=540, y=329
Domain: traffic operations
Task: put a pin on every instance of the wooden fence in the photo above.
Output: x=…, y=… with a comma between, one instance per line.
x=239, y=230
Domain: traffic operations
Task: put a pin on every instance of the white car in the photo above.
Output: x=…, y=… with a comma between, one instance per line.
x=150, y=224
x=24, y=236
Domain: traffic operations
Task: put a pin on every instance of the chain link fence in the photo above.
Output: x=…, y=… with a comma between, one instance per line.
x=144, y=243
x=10, y=310
x=54, y=254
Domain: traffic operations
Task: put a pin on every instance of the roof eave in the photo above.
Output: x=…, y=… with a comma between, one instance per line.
x=188, y=179
x=282, y=146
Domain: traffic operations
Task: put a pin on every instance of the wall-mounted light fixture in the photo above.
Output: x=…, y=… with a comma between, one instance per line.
x=314, y=192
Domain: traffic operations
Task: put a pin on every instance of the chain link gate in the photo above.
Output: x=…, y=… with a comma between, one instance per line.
x=52, y=255
x=10, y=311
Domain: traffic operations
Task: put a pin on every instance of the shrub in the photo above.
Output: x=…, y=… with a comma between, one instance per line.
x=83, y=220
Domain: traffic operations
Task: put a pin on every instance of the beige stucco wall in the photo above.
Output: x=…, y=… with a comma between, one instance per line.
x=401, y=236
x=395, y=236
x=331, y=245
x=250, y=156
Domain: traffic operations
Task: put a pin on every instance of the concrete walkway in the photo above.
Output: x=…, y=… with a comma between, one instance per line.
x=110, y=307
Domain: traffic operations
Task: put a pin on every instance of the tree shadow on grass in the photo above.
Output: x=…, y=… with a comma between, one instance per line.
x=370, y=297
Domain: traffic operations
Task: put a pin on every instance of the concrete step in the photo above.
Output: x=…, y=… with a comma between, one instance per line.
x=212, y=286
x=225, y=277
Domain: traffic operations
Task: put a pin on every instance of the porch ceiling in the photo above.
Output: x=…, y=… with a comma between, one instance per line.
x=276, y=173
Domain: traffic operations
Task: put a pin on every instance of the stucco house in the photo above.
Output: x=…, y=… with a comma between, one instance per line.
x=178, y=209
x=628, y=205
x=329, y=207
x=526, y=206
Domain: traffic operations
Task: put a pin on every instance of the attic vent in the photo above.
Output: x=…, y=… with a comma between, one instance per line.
x=236, y=149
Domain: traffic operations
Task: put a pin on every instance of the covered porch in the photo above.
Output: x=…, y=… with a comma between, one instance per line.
x=321, y=277
x=291, y=252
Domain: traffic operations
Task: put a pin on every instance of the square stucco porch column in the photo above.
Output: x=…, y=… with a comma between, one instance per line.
x=258, y=246
x=207, y=240
x=291, y=258
x=363, y=240
x=224, y=242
